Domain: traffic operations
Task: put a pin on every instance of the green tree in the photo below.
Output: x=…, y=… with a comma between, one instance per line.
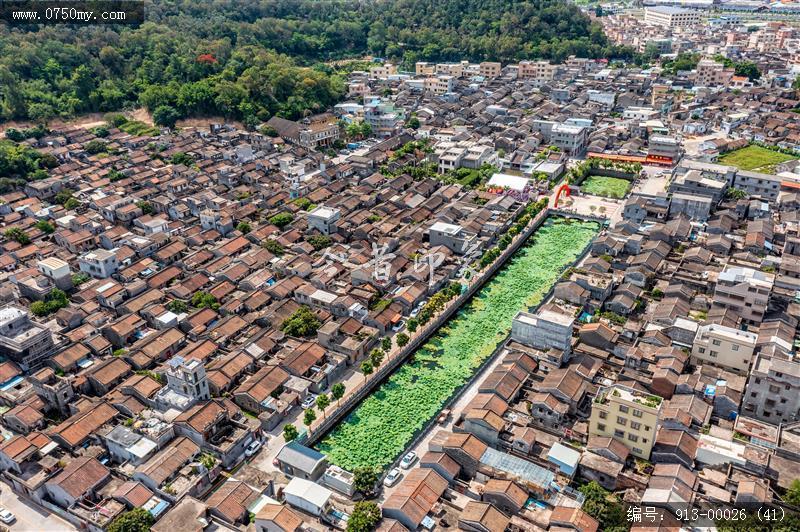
x=367, y=368
x=402, y=339
x=323, y=401
x=45, y=227
x=320, y=241
x=71, y=203
x=413, y=122
x=136, y=520
x=273, y=246
x=309, y=417
x=290, y=432
x=165, y=115
x=182, y=158
x=603, y=506
x=386, y=343
x=747, y=68
x=95, y=146
x=376, y=357
x=302, y=323
x=364, y=480
x=412, y=325
x=244, y=228
x=177, y=306
x=204, y=300
x=793, y=493
x=18, y=235
x=365, y=517
x=282, y=219
x=146, y=206
x=337, y=391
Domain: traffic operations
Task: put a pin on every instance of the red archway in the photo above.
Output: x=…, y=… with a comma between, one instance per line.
x=562, y=189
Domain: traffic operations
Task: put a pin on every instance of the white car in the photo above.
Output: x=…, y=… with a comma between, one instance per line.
x=309, y=401
x=253, y=448
x=408, y=460
x=392, y=478
x=6, y=516
x=399, y=326
x=415, y=312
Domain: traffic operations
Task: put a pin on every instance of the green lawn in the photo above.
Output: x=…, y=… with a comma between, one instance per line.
x=755, y=158
x=609, y=187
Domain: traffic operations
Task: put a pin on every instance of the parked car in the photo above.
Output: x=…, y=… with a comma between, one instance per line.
x=392, y=478
x=309, y=401
x=408, y=460
x=253, y=448
x=399, y=326
x=6, y=516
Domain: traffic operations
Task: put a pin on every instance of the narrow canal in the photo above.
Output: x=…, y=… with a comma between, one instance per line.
x=381, y=427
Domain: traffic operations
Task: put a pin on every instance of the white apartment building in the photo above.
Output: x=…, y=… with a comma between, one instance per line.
x=767, y=186
x=745, y=291
x=22, y=340
x=324, y=219
x=773, y=390
x=671, y=17
x=452, y=236
x=724, y=347
x=99, y=263
x=545, y=330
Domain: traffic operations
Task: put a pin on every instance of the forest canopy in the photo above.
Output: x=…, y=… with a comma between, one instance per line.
x=252, y=60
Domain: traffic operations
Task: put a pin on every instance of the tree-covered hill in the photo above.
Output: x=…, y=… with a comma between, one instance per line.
x=256, y=58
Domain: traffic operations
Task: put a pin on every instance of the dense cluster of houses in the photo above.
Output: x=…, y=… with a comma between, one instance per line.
x=148, y=311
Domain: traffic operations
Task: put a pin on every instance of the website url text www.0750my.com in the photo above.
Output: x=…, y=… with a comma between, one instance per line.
x=87, y=12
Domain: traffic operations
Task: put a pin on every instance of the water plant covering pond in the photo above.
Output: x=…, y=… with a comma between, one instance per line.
x=381, y=427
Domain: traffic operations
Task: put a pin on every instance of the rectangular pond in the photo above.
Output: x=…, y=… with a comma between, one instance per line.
x=383, y=424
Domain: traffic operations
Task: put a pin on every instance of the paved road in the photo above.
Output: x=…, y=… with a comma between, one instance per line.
x=30, y=516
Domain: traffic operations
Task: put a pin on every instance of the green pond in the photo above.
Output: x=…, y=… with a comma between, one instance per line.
x=383, y=424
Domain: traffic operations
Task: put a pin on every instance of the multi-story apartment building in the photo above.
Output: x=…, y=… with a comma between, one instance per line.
x=453, y=237
x=709, y=73
x=22, y=340
x=767, y=186
x=724, y=347
x=324, y=219
x=745, y=291
x=439, y=85
x=422, y=68
x=773, y=390
x=490, y=69
x=694, y=206
x=188, y=377
x=451, y=69
x=99, y=263
x=627, y=415
x=383, y=71
x=312, y=132
x=383, y=117
x=671, y=17
x=569, y=138
x=545, y=330
x=539, y=71
x=664, y=147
